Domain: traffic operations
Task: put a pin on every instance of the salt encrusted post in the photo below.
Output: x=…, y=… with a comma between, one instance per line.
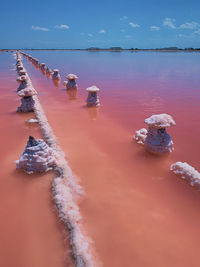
x=37, y=157
x=24, y=82
x=158, y=141
x=71, y=82
x=43, y=66
x=56, y=75
x=187, y=172
x=48, y=71
x=27, y=102
x=93, y=99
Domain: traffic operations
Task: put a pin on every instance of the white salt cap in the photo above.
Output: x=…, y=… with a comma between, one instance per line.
x=55, y=70
x=42, y=64
x=160, y=121
x=71, y=76
x=92, y=89
x=29, y=91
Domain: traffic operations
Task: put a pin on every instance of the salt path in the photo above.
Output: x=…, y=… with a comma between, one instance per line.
x=31, y=234
x=135, y=210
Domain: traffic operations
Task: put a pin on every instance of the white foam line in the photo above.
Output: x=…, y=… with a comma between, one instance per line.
x=64, y=189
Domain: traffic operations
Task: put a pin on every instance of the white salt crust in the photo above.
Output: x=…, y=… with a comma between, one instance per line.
x=32, y=121
x=160, y=121
x=65, y=189
x=140, y=136
x=187, y=172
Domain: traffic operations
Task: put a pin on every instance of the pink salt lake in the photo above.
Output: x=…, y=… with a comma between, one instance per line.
x=136, y=212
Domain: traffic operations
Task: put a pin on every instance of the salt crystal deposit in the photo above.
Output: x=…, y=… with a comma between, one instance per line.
x=48, y=71
x=140, y=136
x=187, y=172
x=158, y=141
x=28, y=91
x=37, y=157
x=71, y=82
x=56, y=75
x=93, y=99
x=32, y=121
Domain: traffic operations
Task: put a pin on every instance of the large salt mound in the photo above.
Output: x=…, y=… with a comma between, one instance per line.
x=186, y=171
x=37, y=157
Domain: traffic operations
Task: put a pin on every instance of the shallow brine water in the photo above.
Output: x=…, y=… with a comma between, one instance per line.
x=136, y=212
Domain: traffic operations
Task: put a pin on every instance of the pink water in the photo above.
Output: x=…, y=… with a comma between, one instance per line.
x=135, y=210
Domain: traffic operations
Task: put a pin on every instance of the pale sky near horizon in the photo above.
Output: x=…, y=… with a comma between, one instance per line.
x=82, y=24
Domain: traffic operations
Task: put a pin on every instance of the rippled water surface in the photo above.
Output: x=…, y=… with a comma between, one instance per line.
x=136, y=212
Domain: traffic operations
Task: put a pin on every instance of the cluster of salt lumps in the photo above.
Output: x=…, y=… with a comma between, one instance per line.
x=93, y=99
x=71, y=82
x=37, y=157
x=187, y=172
x=156, y=140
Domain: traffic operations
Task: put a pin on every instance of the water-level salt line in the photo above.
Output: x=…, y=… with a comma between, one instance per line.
x=64, y=188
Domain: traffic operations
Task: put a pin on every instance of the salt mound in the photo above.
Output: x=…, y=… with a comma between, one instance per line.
x=140, y=136
x=37, y=157
x=186, y=171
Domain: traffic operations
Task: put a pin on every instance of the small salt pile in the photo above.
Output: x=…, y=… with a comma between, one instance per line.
x=93, y=99
x=43, y=66
x=27, y=102
x=37, y=157
x=71, y=82
x=158, y=141
x=187, y=172
x=56, y=75
x=140, y=136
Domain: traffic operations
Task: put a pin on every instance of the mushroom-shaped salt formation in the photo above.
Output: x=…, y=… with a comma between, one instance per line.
x=93, y=99
x=43, y=66
x=187, y=172
x=71, y=82
x=56, y=75
x=48, y=71
x=27, y=102
x=158, y=140
x=37, y=157
x=24, y=82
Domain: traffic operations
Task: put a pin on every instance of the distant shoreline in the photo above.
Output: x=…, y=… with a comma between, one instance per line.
x=112, y=49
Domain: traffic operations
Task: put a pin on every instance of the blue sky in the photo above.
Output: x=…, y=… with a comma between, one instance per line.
x=86, y=23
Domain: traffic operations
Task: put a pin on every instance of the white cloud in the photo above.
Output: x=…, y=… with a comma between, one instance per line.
x=38, y=28
x=189, y=25
x=62, y=26
x=90, y=35
x=154, y=28
x=168, y=22
x=124, y=18
x=134, y=25
x=102, y=31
